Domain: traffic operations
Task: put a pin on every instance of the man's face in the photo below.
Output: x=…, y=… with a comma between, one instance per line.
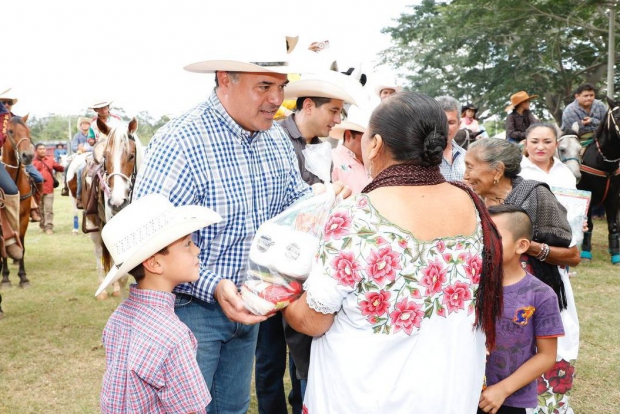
x=84, y=126
x=323, y=118
x=41, y=151
x=103, y=112
x=8, y=104
x=385, y=93
x=453, y=124
x=253, y=99
x=585, y=98
x=355, y=143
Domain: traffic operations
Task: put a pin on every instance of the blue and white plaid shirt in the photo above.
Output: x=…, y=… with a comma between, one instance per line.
x=204, y=157
x=456, y=170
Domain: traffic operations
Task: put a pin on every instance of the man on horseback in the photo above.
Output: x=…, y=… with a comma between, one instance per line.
x=586, y=111
x=9, y=100
x=10, y=209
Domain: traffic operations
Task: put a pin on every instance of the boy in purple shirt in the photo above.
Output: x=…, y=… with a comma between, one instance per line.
x=150, y=354
x=527, y=332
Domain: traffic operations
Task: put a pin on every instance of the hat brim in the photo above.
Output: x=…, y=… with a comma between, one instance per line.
x=292, y=42
x=337, y=132
x=529, y=98
x=100, y=105
x=187, y=219
x=317, y=88
x=212, y=66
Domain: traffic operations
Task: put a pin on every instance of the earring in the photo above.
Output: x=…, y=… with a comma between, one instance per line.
x=495, y=181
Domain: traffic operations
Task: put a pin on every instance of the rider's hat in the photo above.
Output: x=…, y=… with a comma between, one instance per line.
x=518, y=98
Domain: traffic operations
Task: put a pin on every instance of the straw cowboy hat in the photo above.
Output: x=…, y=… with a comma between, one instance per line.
x=387, y=85
x=145, y=227
x=6, y=96
x=100, y=103
x=356, y=121
x=327, y=84
x=245, y=56
x=81, y=120
x=518, y=98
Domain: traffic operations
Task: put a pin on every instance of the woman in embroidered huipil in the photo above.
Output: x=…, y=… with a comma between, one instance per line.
x=406, y=281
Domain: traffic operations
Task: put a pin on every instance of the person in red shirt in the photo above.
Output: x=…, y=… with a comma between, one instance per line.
x=46, y=166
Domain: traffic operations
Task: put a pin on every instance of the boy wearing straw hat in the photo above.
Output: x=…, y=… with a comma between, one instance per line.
x=150, y=354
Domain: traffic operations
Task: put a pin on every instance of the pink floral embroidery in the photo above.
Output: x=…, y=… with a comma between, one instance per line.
x=377, y=303
x=434, y=277
x=380, y=240
x=337, y=225
x=441, y=246
x=447, y=257
x=402, y=243
x=415, y=293
x=406, y=316
x=454, y=296
x=441, y=311
x=382, y=265
x=362, y=202
x=473, y=268
x=346, y=269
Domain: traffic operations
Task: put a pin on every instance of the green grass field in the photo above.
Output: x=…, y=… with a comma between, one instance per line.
x=52, y=360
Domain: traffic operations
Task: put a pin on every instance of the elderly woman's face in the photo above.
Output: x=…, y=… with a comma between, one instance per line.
x=478, y=174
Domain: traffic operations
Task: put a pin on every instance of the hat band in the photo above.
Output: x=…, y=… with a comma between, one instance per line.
x=270, y=64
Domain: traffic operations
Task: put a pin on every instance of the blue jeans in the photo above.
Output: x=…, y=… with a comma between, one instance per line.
x=270, y=367
x=34, y=173
x=6, y=182
x=225, y=353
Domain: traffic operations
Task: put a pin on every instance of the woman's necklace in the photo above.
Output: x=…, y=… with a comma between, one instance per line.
x=492, y=200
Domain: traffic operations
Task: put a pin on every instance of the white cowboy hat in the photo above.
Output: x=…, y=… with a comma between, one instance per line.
x=100, y=103
x=327, y=84
x=357, y=120
x=389, y=85
x=270, y=57
x=81, y=120
x=8, y=96
x=145, y=227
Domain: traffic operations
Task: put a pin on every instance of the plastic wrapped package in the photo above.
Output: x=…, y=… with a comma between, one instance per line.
x=282, y=253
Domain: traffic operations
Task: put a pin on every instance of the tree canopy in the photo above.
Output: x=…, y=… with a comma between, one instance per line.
x=483, y=51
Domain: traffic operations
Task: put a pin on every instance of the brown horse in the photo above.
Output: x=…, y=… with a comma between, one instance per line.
x=116, y=159
x=17, y=152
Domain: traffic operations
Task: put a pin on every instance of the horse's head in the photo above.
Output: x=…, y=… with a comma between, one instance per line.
x=569, y=152
x=120, y=152
x=18, y=147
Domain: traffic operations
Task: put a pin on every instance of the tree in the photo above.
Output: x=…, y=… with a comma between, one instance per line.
x=482, y=51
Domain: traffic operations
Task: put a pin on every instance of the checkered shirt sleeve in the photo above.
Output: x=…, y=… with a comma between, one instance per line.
x=574, y=113
x=205, y=158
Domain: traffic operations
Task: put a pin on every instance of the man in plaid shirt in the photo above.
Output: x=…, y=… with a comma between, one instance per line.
x=228, y=155
x=585, y=111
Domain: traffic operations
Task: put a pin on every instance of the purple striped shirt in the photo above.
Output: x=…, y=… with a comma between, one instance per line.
x=150, y=359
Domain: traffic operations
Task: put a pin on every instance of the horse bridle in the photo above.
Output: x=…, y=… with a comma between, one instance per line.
x=568, y=158
x=610, y=120
x=104, y=178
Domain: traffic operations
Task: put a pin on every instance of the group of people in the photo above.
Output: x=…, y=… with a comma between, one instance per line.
x=410, y=304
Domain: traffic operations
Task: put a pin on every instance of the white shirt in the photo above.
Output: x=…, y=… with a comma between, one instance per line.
x=558, y=176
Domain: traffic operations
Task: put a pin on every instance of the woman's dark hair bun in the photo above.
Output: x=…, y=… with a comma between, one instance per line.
x=434, y=144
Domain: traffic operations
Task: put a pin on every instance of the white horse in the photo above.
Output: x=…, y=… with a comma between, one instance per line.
x=569, y=152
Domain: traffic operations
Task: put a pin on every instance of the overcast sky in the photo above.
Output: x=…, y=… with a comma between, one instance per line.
x=62, y=54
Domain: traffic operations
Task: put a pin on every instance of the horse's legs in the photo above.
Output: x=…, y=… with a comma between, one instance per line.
x=97, y=241
x=611, y=212
x=586, y=244
x=5, y=273
x=1, y=311
x=23, y=280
